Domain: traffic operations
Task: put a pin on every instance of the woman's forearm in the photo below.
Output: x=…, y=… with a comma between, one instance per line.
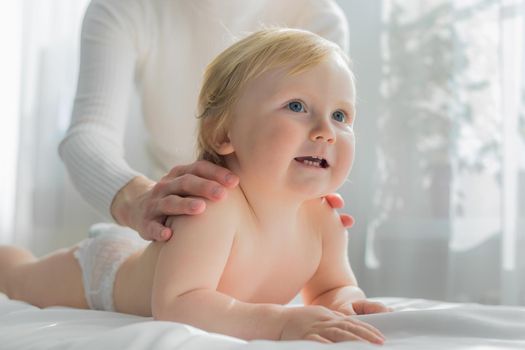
x=219, y=313
x=93, y=148
x=96, y=172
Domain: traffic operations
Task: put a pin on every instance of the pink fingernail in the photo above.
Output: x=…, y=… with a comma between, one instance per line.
x=230, y=179
x=194, y=205
x=217, y=192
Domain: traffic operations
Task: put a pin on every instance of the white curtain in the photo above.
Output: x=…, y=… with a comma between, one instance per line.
x=448, y=185
x=48, y=212
x=10, y=37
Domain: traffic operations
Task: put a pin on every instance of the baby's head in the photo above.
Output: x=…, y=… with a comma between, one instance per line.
x=244, y=61
x=253, y=78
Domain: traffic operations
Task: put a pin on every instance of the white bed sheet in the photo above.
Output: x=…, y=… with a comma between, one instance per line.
x=416, y=324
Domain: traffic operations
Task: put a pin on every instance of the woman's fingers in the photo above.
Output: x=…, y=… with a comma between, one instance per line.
x=172, y=205
x=181, y=192
x=207, y=170
x=157, y=232
x=193, y=185
x=176, y=205
x=335, y=200
x=347, y=220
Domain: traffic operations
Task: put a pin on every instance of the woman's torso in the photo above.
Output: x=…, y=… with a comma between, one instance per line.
x=178, y=40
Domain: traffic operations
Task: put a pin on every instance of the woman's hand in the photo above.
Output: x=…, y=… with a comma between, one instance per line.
x=360, y=307
x=326, y=326
x=337, y=202
x=144, y=205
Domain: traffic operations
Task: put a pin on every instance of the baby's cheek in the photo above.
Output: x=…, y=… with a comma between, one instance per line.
x=346, y=157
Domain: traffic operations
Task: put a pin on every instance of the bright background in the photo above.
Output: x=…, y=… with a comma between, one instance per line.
x=438, y=187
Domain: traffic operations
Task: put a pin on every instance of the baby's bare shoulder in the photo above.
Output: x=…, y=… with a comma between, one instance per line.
x=323, y=215
x=226, y=209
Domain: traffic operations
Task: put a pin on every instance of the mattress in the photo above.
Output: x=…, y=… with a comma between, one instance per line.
x=415, y=324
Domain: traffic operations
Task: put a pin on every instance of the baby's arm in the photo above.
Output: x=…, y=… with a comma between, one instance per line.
x=187, y=275
x=188, y=272
x=334, y=284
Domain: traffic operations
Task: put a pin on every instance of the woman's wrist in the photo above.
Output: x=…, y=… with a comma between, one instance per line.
x=122, y=207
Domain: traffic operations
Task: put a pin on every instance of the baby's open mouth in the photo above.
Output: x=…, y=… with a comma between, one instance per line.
x=313, y=161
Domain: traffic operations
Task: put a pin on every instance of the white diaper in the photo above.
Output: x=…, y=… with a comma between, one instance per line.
x=100, y=256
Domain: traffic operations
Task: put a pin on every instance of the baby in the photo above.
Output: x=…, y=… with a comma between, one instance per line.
x=276, y=108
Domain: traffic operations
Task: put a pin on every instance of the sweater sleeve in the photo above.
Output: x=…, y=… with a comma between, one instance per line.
x=92, y=149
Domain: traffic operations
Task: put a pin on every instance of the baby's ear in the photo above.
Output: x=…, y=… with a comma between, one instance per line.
x=224, y=147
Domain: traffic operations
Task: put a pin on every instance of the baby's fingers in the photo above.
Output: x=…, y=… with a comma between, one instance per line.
x=318, y=338
x=364, y=307
x=338, y=334
x=369, y=328
x=362, y=330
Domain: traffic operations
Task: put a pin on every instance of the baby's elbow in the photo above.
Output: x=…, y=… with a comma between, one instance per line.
x=161, y=311
x=157, y=313
x=164, y=310
x=164, y=314
x=161, y=317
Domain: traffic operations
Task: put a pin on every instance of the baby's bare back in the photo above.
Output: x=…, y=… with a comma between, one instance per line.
x=262, y=268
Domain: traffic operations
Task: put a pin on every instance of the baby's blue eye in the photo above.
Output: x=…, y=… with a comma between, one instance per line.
x=296, y=106
x=339, y=116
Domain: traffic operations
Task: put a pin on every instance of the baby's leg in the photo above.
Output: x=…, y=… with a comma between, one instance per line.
x=53, y=280
x=11, y=257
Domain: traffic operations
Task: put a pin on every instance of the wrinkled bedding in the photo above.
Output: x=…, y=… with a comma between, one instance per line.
x=416, y=324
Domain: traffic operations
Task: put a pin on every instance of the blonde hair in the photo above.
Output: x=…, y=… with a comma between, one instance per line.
x=230, y=71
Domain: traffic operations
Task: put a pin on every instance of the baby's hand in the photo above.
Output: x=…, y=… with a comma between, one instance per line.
x=364, y=307
x=326, y=326
x=360, y=307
